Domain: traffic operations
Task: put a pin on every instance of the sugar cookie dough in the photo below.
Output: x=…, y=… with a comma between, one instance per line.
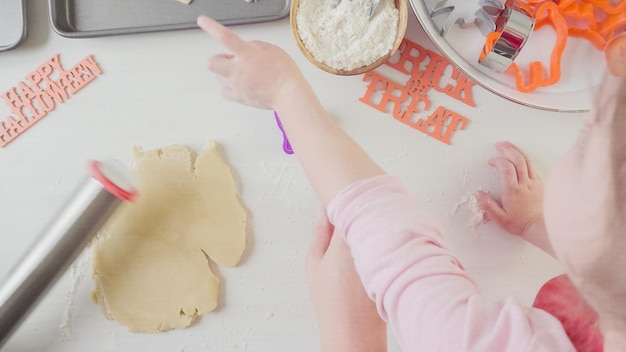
x=150, y=262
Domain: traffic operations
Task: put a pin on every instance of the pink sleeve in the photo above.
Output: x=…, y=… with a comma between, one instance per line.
x=420, y=288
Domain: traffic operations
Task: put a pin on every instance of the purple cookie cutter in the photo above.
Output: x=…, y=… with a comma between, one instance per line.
x=286, y=145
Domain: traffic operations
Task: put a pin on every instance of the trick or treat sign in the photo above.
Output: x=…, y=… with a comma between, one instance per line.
x=426, y=72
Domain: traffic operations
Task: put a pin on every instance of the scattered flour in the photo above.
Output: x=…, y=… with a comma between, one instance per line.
x=466, y=177
x=339, y=33
x=478, y=214
x=77, y=272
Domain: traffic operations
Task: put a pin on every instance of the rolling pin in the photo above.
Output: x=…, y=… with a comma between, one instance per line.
x=62, y=240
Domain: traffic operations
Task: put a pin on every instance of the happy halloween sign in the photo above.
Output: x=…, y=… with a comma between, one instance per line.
x=410, y=100
x=50, y=84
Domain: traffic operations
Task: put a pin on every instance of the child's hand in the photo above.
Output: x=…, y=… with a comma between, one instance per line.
x=347, y=318
x=520, y=211
x=254, y=73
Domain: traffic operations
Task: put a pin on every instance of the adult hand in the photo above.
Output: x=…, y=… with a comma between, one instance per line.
x=254, y=73
x=520, y=210
x=347, y=318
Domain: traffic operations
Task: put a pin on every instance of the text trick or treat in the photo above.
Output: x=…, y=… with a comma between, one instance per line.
x=50, y=84
x=410, y=100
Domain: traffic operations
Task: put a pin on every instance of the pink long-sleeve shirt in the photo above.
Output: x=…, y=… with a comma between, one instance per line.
x=420, y=288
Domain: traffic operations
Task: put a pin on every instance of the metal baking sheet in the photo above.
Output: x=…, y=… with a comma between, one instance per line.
x=96, y=18
x=12, y=23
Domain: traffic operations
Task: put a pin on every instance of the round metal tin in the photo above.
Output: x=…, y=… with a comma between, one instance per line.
x=583, y=67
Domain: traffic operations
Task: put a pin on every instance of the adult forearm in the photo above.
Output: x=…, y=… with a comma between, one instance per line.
x=330, y=158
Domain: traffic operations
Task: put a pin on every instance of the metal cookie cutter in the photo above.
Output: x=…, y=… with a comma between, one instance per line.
x=465, y=13
x=514, y=25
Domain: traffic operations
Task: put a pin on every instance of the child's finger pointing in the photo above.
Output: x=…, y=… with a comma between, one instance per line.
x=229, y=39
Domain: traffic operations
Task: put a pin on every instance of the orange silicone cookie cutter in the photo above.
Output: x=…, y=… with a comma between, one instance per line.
x=605, y=24
x=603, y=19
x=546, y=13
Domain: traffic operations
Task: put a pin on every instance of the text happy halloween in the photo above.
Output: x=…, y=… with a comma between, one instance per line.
x=50, y=84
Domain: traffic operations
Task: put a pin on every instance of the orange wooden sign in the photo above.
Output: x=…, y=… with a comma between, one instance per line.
x=426, y=70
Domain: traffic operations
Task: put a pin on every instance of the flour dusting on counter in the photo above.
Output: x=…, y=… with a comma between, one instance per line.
x=339, y=33
x=478, y=214
x=77, y=272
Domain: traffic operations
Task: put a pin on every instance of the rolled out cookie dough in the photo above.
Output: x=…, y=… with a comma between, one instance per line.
x=150, y=262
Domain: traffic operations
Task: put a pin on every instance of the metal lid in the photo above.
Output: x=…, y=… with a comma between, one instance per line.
x=12, y=23
x=115, y=178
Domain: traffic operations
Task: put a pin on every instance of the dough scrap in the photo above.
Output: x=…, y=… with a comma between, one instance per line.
x=150, y=261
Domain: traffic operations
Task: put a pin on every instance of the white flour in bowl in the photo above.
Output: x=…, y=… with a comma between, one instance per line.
x=340, y=34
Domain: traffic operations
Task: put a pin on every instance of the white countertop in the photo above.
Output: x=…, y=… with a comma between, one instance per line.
x=155, y=90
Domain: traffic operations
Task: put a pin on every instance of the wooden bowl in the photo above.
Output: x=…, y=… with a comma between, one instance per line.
x=402, y=21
